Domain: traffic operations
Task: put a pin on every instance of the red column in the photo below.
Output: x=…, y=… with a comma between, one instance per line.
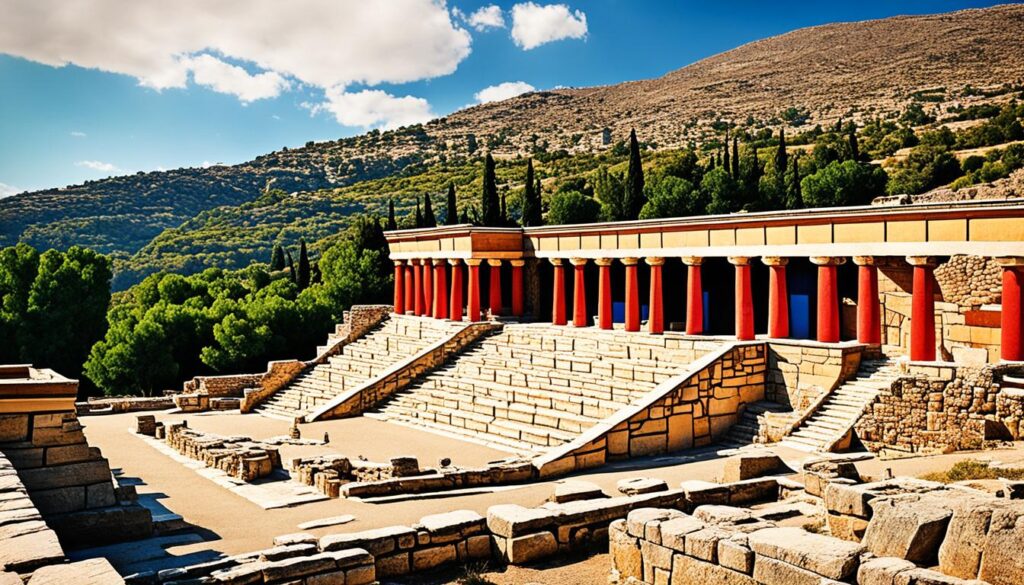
x=455, y=308
x=1011, y=320
x=632, y=295
x=558, y=299
x=410, y=289
x=694, y=296
x=869, y=310
x=744, y=299
x=440, y=290
x=922, y=311
x=517, y=287
x=656, y=317
x=604, y=293
x=579, y=293
x=418, y=308
x=778, y=297
x=473, y=306
x=428, y=288
x=828, y=298
x=399, y=287
x=494, y=292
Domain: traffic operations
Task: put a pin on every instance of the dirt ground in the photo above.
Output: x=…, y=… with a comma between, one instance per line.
x=229, y=524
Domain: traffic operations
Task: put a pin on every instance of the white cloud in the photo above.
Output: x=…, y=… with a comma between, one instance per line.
x=487, y=17
x=320, y=43
x=533, y=24
x=503, y=91
x=77, y=134
x=8, y=190
x=231, y=79
x=374, y=108
x=95, y=165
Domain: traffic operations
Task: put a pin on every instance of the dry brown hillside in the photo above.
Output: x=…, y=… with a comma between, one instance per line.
x=835, y=70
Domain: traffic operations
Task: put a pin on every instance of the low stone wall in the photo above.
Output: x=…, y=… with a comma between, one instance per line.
x=800, y=374
x=120, y=404
x=942, y=407
x=28, y=542
x=690, y=410
x=239, y=457
x=338, y=476
x=400, y=375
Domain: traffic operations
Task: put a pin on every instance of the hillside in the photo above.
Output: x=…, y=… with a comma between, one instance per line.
x=854, y=71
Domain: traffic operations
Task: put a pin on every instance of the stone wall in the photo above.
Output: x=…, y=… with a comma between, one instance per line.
x=690, y=410
x=119, y=404
x=28, y=543
x=240, y=457
x=800, y=374
x=938, y=408
x=400, y=375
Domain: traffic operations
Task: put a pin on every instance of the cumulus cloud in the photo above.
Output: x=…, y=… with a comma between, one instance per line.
x=374, y=108
x=320, y=43
x=77, y=134
x=8, y=190
x=503, y=91
x=95, y=165
x=487, y=17
x=534, y=25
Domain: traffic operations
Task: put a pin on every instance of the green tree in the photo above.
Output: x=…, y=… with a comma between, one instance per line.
x=634, y=199
x=926, y=167
x=531, y=199
x=392, y=224
x=794, y=195
x=452, y=212
x=781, y=163
x=669, y=196
x=18, y=268
x=843, y=183
x=725, y=152
x=610, y=192
x=854, y=147
x=292, y=273
x=490, y=205
x=419, y=221
x=720, y=191
x=573, y=207
x=277, y=258
x=735, y=157
x=304, y=271
x=428, y=213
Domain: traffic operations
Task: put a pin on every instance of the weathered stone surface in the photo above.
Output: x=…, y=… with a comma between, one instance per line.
x=89, y=572
x=287, y=552
x=735, y=555
x=1002, y=561
x=960, y=552
x=824, y=555
x=742, y=467
x=637, y=520
x=295, y=538
x=31, y=550
x=573, y=490
x=847, y=527
x=530, y=548
x=907, y=528
x=769, y=571
x=640, y=485
x=435, y=556
x=920, y=576
x=625, y=551
x=722, y=514
x=511, y=520
x=674, y=531
x=703, y=544
x=817, y=473
x=882, y=570
x=690, y=571
x=455, y=521
x=380, y=541
x=298, y=567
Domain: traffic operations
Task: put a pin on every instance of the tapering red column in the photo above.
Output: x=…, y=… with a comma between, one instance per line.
x=410, y=288
x=744, y=299
x=694, y=296
x=778, y=297
x=440, y=290
x=632, y=295
x=579, y=292
x=494, y=290
x=604, y=292
x=869, y=309
x=455, y=307
x=1011, y=323
x=655, y=316
x=922, y=310
x=558, y=296
x=828, y=298
x=428, y=287
x=399, y=287
x=517, y=287
x=418, y=308
x=473, y=304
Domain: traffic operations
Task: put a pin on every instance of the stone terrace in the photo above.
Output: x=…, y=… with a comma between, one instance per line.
x=535, y=386
x=397, y=338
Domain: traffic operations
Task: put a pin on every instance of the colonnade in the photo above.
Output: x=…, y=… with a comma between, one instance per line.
x=421, y=288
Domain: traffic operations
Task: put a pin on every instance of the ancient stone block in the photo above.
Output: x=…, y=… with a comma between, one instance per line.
x=847, y=527
x=380, y=541
x=824, y=555
x=1002, y=562
x=88, y=572
x=640, y=485
x=703, y=544
x=907, y=528
x=742, y=467
x=882, y=570
x=769, y=571
x=509, y=520
x=429, y=558
x=295, y=568
x=13, y=427
x=452, y=522
x=687, y=571
x=637, y=520
x=722, y=514
x=625, y=551
x=530, y=548
x=960, y=552
x=674, y=531
x=735, y=555
x=573, y=490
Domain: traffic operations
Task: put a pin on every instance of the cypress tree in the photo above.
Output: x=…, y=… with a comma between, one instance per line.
x=781, y=164
x=634, y=199
x=736, y=157
x=277, y=258
x=854, y=148
x=464, y=218
x=490, y=205
x=291, y=267
x=428, y=212
x=453, y=210
x=795, y=199
x=419, y=214
x=753, y=182
x=725, y=149
x=504, y=210
x=392, y=224
x=304, y=271
x=711, y=163
x=531, y=198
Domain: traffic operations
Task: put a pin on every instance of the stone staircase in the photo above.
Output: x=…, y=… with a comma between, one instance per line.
x=393, y=340
x=748, y=429
x=842, y=408
x=535, y=386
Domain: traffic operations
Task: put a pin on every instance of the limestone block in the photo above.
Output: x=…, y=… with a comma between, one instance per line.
x=703, y=544
x=849, y=500
x=735, y=555
x=428, y=558
x=452, y=522
x=919, y=576
x=509, y=520
x=882, y=570
x=378, y=542
x=688, y=571
x=532, y=547
x=769, y=571
x=674, y=531
x=364, y=575
x=478, y=547
x=625, y=551
x=60, y=500
x=960, y=552
x=817, y=473
x=907, y=528
x=640, y=485
x=295, y=568
x=654, y=557
x=13, y=427
x=847, y=527
x=637, y=520
x=824, y=555
x=67, y=454
x=287, y=551
x=743, y=467
x=295, y=538
x=573, y=490
x=1002, y=562
x=393, y=565
x=88, y=572
x=704, y=492
x=73, y=474
x=332, y=578
x=27, y=551
x=100, y=495
x=713, y=514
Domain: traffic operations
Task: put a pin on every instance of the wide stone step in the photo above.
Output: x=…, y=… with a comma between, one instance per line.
x=556, y=400
x=496, y=442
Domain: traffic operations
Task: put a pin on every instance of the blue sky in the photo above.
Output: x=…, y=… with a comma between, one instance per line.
x=147, y=90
